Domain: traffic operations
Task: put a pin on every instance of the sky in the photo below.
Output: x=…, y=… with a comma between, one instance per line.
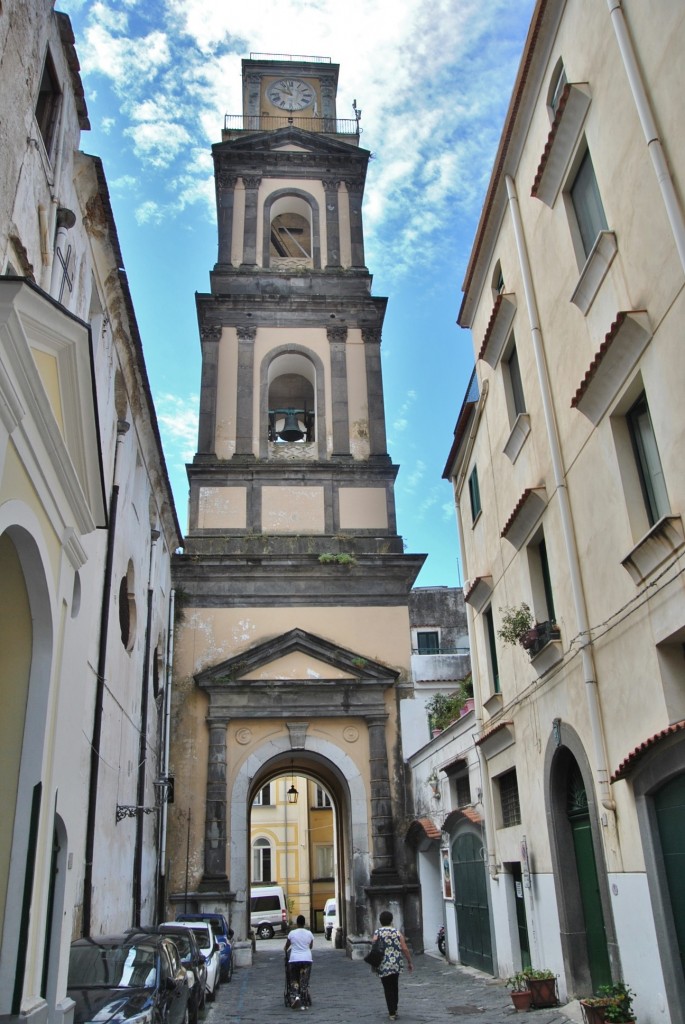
x=433, y=79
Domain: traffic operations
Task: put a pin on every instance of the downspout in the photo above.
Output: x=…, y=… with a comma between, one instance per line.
x=586, y=654
x=122, y=428
x=654, y=145
x=161, y=888
x=142, y=747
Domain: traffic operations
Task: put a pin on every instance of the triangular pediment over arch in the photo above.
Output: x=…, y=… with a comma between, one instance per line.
x=297, y=673
x=272, y=141
x=268, y=659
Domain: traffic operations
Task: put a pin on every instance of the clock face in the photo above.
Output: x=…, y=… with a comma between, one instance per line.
x=290, y=94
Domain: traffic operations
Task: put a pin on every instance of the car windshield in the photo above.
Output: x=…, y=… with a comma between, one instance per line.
x=129, y=965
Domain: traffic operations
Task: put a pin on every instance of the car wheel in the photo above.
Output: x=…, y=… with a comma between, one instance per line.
x=265, y=931
x=211, y=996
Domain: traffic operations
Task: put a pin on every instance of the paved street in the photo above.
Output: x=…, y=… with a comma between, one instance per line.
x=343, y=990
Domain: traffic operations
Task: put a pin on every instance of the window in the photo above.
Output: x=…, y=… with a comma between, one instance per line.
x=322, y=797
x=428, y=641
x=492, y=650
x=47, y=107
x=515, y=388
x=261, y=861
x=127, y=609
x=462, y=791
x=323, y=857
x=541, y=580
x=509, y=799
x=497, y=280
x=263, y=798
x=648, y=462
x=587, y=204
x=474, y=494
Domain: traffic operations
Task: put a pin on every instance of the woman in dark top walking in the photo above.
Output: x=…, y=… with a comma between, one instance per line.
x=395, y=953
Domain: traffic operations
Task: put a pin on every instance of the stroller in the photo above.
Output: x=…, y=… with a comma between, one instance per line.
x=289, y=993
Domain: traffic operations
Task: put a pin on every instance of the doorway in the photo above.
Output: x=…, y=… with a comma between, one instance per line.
x=471, y=902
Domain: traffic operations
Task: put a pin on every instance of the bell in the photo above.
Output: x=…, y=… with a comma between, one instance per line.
x=290, y=431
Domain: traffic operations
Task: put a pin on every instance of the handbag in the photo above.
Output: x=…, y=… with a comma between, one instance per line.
x=375, y=955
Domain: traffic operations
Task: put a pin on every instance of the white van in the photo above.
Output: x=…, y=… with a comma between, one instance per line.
x=330, y=918
x=268, y=910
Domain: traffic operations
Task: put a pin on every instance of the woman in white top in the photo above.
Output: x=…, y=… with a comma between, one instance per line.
x=298, y=952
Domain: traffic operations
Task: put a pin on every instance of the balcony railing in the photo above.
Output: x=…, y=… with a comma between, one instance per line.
x=269, y=122
x=442, y=650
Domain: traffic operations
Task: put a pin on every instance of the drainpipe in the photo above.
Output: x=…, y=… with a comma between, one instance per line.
x=122, y=429
x=656, y=152
x=142, y=747
x=161, y=888
x=587, y=659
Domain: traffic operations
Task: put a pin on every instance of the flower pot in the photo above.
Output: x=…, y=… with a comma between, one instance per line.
x=595, y=1013
x=522, y=1000
x=529, y=639
x=543, y=991
x=469, y=705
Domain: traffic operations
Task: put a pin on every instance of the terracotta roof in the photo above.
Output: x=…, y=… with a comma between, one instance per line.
x=563, y=100
x=491, y=732
x=463, y=812
x=491, y=324
x=627, y=765
x=596, y=362
x=517, y=508
x=423, y=828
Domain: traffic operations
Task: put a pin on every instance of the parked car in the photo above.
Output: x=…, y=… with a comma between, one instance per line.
x=223, y=935
x=330, y=918
x=209, y=947
x=134, y=978
x=194, y=962
x=268, y=910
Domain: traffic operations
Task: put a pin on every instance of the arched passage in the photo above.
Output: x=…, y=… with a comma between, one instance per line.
x=322, y=761
x=26, y=640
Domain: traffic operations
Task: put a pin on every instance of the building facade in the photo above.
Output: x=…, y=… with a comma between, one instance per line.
x=87, y=528
x=569, y=488
x=293, y=647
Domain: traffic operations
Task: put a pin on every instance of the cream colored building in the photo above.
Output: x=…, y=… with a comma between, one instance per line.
x=568, y=477
x=87, y=528
x=294, y=644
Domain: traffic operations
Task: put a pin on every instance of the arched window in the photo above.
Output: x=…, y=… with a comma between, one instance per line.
x=291, y=238
x=292, y=399
x=261, y=861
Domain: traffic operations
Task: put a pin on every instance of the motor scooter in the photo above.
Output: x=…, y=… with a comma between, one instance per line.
x=441, y=939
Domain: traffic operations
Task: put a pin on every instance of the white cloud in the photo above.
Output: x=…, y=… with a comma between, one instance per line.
x=178, y=420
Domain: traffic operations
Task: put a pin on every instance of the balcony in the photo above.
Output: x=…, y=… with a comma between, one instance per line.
x=238, y=125
x=440, y=666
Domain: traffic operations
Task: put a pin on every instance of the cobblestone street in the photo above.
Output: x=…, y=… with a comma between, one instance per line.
x=343, y=990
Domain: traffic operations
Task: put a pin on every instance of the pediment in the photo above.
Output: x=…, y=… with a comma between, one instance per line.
x=298, y=656
x=284, y=139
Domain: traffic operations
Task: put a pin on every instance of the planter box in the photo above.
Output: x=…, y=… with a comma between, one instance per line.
x=543, y=991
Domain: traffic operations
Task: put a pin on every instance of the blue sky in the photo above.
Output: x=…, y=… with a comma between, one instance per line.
x=433, y=79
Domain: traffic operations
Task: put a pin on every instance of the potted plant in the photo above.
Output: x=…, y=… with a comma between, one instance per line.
x=612, y=1003
x=521, y=996
x=444, y=708
x=543, y=987
x=516, y=623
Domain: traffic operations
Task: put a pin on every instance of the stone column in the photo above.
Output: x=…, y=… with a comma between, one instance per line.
x=244, y=418
x=355, y=192
x=225, y=193
x=337, y=340
x=250, y=229
x=378, y=444
x=382, y=844
x=332, y=224
x=210, y=336
x=215, y=817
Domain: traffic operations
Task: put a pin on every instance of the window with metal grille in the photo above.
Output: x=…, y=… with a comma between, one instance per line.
x=509, y=799
x=462, y=791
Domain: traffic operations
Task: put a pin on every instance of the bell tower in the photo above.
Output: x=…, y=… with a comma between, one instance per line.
x=294, y=641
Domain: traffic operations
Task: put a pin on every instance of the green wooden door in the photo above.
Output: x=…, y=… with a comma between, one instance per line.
x=471, y=902
x=669, y=804
x=593, y=915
